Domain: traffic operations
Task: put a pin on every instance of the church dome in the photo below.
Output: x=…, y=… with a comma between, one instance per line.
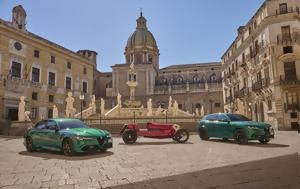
x=141, y=36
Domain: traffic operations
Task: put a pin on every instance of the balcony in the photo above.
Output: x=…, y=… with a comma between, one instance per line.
x=18, y=85
x=288, y=39
x=257, y=86
x=240, y=94
x=292, y=107
x=289, y=81
x=287, y=10
x=52, y=89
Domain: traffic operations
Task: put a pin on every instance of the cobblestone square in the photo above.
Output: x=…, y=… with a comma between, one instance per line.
x=152, y=163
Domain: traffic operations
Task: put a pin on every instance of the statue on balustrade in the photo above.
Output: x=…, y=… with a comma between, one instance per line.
x=55, y=112
x=70, y=110
x=149, y=107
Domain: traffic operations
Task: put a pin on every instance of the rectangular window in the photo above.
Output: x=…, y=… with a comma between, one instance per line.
x=53, y=59
x=34, y=96
x=269, y=104
x=36, y=53
x=51, y=98
x=84, y=87
x=286, y=32
x=287, y=49
x=34, y=113
x=290, y=71
x=84, y=71
x=68, y=83
x=69, y=65
x=283, y=8
x=294, y=115
x=16, y=69
x=35, y=74
x=51, y=79
x=217, y=105
x=50, y=113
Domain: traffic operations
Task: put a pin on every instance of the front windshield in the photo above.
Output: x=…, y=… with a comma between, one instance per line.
x=237, y=117
x=71, y=124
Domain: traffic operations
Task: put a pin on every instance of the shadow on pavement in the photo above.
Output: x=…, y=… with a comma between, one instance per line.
x=59, y=155
x=274, y=173
x=153, y=143
x=252, y=143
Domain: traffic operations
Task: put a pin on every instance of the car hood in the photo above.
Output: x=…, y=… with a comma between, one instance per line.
x=250, y=123
x=87, y=132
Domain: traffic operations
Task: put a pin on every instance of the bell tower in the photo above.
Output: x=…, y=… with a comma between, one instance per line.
x=19, y=18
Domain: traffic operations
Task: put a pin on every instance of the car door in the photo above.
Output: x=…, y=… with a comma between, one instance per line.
x=38, y=134
x=224, y=128
x=211, y=124
x=52, y=136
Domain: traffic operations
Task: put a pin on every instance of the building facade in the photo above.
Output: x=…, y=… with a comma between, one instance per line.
x=40, y=70
x=261, y=68
x=191, y=85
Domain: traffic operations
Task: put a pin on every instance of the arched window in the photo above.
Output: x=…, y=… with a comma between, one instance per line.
x=150, y=58
x=179, y=79
x=213, y=77
x=163, y=81
x=198, y=105
x=196, y=79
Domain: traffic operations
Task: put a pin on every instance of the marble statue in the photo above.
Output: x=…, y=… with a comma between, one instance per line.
x=175, y=108
x=197, y=112
x=159, y=111
x=93, y=104
x=149, y=107
x=21, y=113
x=70, y=110
x=27, y=113
x=102, y=105
x=119, y=100
x=206, y=85
x=55, y=112
x=202, y=111
x=170, y=104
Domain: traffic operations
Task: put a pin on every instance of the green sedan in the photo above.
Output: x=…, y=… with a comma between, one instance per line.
x=234, y=126
x=70, y=136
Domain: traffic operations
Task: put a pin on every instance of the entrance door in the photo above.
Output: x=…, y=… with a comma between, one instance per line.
x=12, y=114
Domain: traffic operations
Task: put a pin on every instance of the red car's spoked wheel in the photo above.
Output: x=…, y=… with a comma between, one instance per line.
x=182, y=136
x=129, y=137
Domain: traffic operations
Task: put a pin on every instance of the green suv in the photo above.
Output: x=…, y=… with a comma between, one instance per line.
x=67, y=135
x=234, y=126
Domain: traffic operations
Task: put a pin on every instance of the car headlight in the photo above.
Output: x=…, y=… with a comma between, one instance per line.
x=80, y=138
x=252, y=127
x=108, y=135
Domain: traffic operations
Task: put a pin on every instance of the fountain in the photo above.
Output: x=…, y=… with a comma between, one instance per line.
x=134, y=107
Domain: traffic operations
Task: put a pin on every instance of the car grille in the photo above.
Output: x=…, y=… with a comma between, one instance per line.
x=100, y=140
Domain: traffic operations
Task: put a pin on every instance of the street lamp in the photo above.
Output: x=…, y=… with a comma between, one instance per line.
x=81, y=98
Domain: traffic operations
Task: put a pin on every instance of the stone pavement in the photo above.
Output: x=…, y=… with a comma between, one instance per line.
x=157, y=164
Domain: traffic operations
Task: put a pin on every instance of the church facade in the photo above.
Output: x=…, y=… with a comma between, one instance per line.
x=191, y=85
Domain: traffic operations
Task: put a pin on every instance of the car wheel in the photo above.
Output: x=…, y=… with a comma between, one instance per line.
x=129, y=137
x=203, y=133
x=68, y=148
x=182, y=135
x=29, y=145
x=240, y=137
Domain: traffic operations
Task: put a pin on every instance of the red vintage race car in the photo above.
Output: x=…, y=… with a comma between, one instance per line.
x=130, y=132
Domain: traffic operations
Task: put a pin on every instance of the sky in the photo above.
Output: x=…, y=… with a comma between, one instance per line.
x=186, y=31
